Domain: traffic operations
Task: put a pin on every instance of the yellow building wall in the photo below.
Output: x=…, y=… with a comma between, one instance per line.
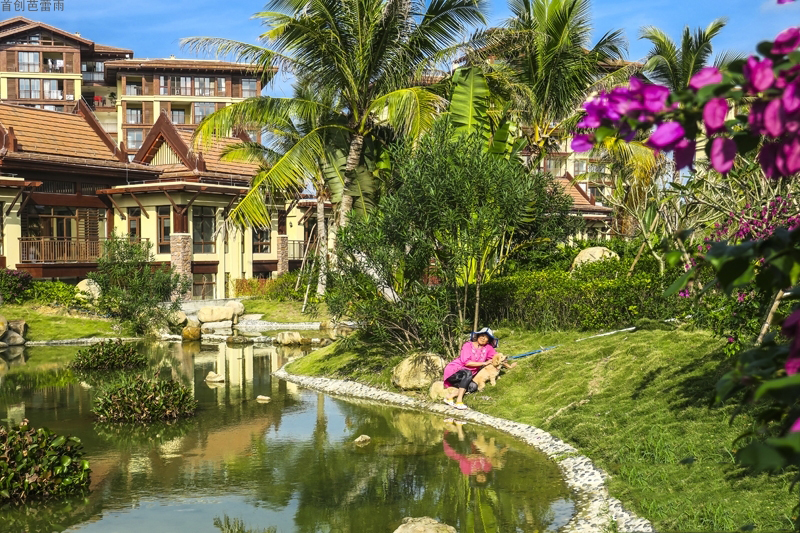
x=12, y=229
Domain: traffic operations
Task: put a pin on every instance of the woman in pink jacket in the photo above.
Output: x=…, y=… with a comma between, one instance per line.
x=476, y=353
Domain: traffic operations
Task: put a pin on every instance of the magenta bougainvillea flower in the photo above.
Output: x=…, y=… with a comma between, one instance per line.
x=714, y=113
x=758, y=73
x=723, y=152
x=705, y=76
x=786, y=42
x=666, y=135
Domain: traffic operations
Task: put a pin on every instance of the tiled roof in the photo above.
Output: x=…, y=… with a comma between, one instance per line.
x=212, y=154
x=54, y=133
x=32, y=24
x=106, y=48
x=580, y=202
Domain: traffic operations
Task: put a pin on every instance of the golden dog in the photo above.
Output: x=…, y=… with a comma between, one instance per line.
x=490, y=372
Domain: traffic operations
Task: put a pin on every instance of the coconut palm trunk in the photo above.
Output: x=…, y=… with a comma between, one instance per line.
x=353, y=158
x=322, y=248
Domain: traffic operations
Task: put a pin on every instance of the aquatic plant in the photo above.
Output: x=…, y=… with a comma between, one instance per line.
x=138, y=399
x=38, y=464
x=109, y=355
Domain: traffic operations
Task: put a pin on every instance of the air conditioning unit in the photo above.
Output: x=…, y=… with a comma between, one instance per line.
x=70, y=97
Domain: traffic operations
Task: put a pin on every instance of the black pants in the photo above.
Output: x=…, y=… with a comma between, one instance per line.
x=463, y=380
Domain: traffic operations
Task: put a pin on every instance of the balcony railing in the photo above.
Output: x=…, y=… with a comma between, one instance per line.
x=52, y=68
x=296, y=250
x=133, y=90
x=93, y=76
x=60, y=249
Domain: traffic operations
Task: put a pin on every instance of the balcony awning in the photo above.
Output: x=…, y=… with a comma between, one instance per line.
x=175, y=187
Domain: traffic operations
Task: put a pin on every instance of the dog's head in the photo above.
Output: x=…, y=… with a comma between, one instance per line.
x=498, y=359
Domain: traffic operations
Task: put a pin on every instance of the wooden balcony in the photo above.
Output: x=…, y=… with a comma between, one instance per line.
x=59, y=249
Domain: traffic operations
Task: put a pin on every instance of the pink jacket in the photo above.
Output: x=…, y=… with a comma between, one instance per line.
x=469, y=353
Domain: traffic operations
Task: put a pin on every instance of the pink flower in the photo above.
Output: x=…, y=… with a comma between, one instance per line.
x=773, y=118
x=714, y=113
x=759, y=74
x=684, y=152
x=654, y=97
x=796, y=426
x=581, y=143
x=705, y=76
x=723, y=152
x=767, y=158
x=791, y=96
x=784, y=1
x=666, y=135
x=786, y=41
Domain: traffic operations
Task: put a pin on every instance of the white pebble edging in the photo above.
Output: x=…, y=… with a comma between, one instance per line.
x=596, y=510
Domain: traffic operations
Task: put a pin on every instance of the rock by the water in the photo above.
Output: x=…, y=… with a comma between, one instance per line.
x=305, y=340
x=263, y=399
x=19, y=326
x=192, y=322
x=3, y=346
x=418, y=371
x=12, y=338
x=363, y=440
x=288, y=337
x=423, y=524
x=177, y=318
x=342, y=331
x=238, y=339
x=590, y=255
x=88, y=289
x=215, y=314
x=237, y=306
x=436, y=392
x=213, y=377
x=191, y=334
x=3, y=326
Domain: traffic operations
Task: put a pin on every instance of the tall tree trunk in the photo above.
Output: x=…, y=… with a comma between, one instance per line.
x=353, y=157
x=322, y=248
x=478, y=276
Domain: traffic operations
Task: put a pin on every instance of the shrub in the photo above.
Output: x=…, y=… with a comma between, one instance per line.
x=279, y=289
x=133, y=289
x=556, y=300
x=13, y=284
x=109, y=355
x=37, y=464
x=137, y=399
x=52, y=293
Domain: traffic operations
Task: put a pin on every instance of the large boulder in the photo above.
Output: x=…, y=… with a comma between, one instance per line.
x=215, y=314
x=590, y=255
x=437, y=391
x=18, y=326
x=224, y=327
x=237, y=306
x=190, y=334
x=12, y=338
x=192, y=322
x=424, y=524
x=288, y=337
x=177, y=318
x=88, y=289
x=418, y=371
x=3, y=326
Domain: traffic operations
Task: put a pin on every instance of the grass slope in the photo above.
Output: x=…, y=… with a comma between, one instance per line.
x=50, y=324
x=288, y=311
x=638, y=404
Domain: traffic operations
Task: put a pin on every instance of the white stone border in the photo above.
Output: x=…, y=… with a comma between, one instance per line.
x=596, y=510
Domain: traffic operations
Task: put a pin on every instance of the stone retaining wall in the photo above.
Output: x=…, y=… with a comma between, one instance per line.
x=596, y=510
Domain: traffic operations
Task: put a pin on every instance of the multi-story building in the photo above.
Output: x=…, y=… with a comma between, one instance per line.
x=47, y=68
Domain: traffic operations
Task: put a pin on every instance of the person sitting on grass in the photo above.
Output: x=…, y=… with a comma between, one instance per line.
x=475, y=354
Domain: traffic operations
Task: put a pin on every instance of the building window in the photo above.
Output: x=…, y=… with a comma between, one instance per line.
x=185, y=87
x=262, y=241
x=203, y=286
x=598, y=168
x=92, y=70
x=553, y=166
x=134, y=224
x=203, y=87
x=162, y=218
x=163, y=85
x=202, y=110
x=53, y=89
x=133, y=139
x=203, y=226
x=249, y=88
x=133, y=89
x=30, y=89
x=580, y=166
x=50, y=107
x=179, y=116
x=133, y=115
x=29, y=61
x=221, y=87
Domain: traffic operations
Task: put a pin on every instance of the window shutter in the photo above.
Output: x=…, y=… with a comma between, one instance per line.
x=236, y=88
x=13, y=89
x=11, y=61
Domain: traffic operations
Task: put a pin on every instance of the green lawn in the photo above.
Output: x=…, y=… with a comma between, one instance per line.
x=638, y=404
x=47, y=323
x=287, y=311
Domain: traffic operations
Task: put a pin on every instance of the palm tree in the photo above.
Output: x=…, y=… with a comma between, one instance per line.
x=370, y=51
x=672, y=65
x=543, y=60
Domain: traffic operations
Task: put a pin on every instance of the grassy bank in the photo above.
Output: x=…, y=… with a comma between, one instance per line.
x=288, y=311
x=638, y=405
x=48, y=323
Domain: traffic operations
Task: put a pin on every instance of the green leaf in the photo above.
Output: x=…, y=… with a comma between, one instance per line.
x=58, y=441
x=469, y=104
x=791, y=441
x=777, y=384
x=66, y=460
x=679, y=283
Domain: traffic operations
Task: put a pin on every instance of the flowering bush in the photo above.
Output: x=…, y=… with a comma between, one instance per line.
x=769, y=255
x=13, y=284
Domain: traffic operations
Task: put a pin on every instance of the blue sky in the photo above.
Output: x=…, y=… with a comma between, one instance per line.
x=152, y=28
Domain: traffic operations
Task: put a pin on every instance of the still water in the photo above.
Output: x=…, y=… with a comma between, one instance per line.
x=285, y=466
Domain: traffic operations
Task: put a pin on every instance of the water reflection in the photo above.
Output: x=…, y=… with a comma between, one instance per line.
x=290, y=463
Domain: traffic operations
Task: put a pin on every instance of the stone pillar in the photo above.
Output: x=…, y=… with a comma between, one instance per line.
x=283, y=254
x=180, y=248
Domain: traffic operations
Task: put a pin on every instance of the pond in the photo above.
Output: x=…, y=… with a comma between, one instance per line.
x=289, y=465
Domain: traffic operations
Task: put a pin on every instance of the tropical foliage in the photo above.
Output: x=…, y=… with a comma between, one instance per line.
x=142, y=400
x=109, y=355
